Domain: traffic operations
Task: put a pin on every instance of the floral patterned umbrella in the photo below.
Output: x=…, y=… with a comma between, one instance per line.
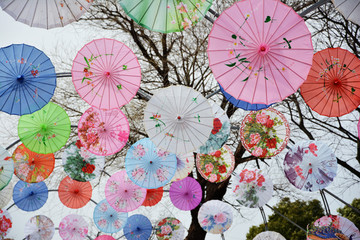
x=103, y=132
x=122, y=194
x=169, y=228
x=185, y=164
x=32, y=167
x=166, y=16
x=178, y=119
x=269, y=235
x=30, y=196
x=215, y=216
x=219, y=133
x=46, y=14
x=265, y=133
x=310, y=165
x=252, y=188
x=260, y=51
x=216, y=166
x=324, y=232
x=39, y=227
x=6, y=167
x=185, y=194
x=106, y=74
x=148, y=166
x=138, y=227
x=73, y=227
x=5, y=223
x=81, y=165
x=347, y=227
x=153, y=196
x=74, y=194
x=6, y=195
x=107, y=219
x=45, y=131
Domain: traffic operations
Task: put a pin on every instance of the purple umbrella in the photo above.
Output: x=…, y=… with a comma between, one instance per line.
x=186, y=194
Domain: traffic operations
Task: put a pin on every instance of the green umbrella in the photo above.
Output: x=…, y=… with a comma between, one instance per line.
x=166, y=16
x=46, y=130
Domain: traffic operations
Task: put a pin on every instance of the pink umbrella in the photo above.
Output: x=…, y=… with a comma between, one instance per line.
x=73, y=227
x=103, y=132
x=106, y=73
x=104, y=237
x=122, y=194
x=260, y=51
x=185, y=194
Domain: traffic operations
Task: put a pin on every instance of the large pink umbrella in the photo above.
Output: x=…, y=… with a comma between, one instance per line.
x=185, y=194
x=73, y=227
x=260, y=51
x=122, y=194
x=106, y=73
x=103, y=132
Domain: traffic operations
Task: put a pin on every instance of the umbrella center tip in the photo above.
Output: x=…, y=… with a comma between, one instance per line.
x=107, y=74
x=337, y=81
x=20, y=78
x=43, y=127
x=263, y=49
x=179, y=117
x=151, y=162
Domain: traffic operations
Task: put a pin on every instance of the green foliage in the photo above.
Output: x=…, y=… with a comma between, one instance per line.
x=300, y=212
x=350, y=214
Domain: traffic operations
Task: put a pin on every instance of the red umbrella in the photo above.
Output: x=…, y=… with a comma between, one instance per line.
x=74, y=194
x=153, y=196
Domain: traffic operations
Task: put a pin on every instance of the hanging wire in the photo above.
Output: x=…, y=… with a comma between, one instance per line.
x=339, y=199
x=326, y=204
x=286, y=218
x=264, y=218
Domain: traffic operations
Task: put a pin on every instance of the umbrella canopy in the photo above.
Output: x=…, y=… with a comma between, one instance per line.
x=166, y=16
x=45, y=131
x=5, y=223
x=122, y=194
x=215, y=216
x=153, y=196
x=347, y=227
x=6, y=195
x=178, y=119
x=39, y=227
x=46, y=14
x=27, y=79
x=349, y=9
x=169, y=228
x=30, y=196
x=185, y=164
x=81, y=165
x=332, y=87
x=252, y=188
x=219, y=133
x=32, y=167
x=73, y=227
x=216, y=166
x=242, y=104
x=260, y=51
x=106, y=73
x=138, y=227
x=105, y=237
x=310, y=165
x=324, y=232
x=6, y=167
x=148, y=166
x=185, y=194
x=269, y=235
x=265, y=133
x=107, y=219
x=74, y=194
x=103, y=132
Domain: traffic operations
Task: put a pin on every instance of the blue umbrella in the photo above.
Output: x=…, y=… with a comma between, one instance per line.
x=148, y=166
x=242, y=104
x=107, y=219
x=27, y=79
x=30, y=196
x=138, y=227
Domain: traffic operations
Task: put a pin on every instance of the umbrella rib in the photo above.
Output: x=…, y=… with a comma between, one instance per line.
x=255, y=39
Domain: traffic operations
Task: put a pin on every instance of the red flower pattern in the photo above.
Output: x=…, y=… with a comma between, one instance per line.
x=216, y=126
x=217, y=154
x=78, y=144
x=271, y=142
x=222, y=169
x=89, y=168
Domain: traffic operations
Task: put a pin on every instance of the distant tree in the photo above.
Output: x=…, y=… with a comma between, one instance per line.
x=301, y=212
x=348, y=213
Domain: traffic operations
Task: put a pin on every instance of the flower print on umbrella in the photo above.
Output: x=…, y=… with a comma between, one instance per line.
x=169, y=228
x=138, y=174
x=215, y=216
x=5, y=223
x=139, y=151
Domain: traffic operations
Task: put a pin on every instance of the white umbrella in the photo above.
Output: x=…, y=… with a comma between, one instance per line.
x=215, y=216
x=178, y=119
x=269, y=235
x=39, y=227
x=185, y=164
x=5, y=195
x=350, y=9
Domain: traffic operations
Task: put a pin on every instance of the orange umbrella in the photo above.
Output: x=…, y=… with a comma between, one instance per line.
x=332, y=87
x=30, y=166
x=74, y=194
x=153, y=196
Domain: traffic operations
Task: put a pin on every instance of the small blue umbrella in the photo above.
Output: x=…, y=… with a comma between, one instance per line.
x=138, y=227
x=30, y=196
x=242, y=104
x=27, y=79
x=107, y=219
x=148, y=166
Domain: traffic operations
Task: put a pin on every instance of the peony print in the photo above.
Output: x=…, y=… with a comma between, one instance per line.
x=169, y=228
x=215, y=216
